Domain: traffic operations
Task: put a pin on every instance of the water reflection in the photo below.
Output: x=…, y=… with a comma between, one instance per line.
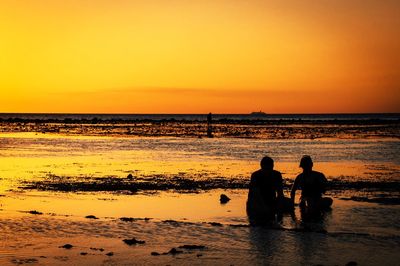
x=314, y=222
x=297, y=240
x=309, y=247
x=266, y=244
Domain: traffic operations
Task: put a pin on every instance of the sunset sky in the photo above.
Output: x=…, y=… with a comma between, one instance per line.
x=182, y=56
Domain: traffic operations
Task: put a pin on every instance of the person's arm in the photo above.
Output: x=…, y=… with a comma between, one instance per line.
x=294, y=188
x=280, y=188
x=323, y=183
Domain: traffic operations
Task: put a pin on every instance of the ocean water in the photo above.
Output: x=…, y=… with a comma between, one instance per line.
x=177, y=181
x=200, y=117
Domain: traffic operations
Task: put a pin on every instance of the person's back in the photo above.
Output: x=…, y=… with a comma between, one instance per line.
x=268, y=183
x=313, y=185
x=265, y=190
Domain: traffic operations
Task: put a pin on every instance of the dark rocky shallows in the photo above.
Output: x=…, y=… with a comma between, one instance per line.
x=180, y=250
x=35, y=212
x=67, y=246
x=91, y=217
x=382, y=192
x=133, y=241
x=237, y=126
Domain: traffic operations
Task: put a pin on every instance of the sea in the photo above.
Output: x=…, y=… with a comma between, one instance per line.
x=200, y=117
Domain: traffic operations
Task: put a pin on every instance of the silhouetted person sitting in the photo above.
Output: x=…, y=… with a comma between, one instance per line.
x=312, y=185
x=265, y=193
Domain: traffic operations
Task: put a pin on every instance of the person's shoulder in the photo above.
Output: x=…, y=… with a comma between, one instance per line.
x=256, y=174
x=319, y=174
x=277, y=174
x=300, y=175
x=299, y=178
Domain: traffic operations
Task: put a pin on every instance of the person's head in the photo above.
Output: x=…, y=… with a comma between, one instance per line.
x=267, y=163
x=306, y=162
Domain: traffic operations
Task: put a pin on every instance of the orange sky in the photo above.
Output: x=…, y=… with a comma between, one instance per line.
x=181, y=56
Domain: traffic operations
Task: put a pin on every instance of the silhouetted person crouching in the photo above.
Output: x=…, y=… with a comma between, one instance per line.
x=312, y=185
x=265, y=193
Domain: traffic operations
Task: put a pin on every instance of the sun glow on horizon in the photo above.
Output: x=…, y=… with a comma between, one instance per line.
x=200, y=56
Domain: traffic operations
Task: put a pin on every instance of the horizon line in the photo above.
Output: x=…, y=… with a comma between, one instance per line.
x=205, y=113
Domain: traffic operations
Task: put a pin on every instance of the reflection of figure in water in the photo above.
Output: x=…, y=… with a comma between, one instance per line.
x=265, y=193
x=312, y=185
x=209, y=128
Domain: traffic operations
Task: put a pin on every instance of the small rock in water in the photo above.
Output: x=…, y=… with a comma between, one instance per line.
x=110, y=254
x=128, y=219
x=67, y=246
x=133, y=241
x=91, y=217
x=83, y=253
x=155, y=253
x=215, y=224
x=130, y=176
x=98, y=249
x=36, y=212
x=224, y=198
x=174, y=251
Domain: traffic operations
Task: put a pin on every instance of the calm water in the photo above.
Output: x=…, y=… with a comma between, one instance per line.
x=203, y=117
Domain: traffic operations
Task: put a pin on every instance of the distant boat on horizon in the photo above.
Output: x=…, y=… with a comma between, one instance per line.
x=259, y=113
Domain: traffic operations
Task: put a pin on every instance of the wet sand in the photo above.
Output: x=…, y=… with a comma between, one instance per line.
x=96, y=225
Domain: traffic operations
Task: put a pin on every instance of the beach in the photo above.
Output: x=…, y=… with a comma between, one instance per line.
x=66, y=182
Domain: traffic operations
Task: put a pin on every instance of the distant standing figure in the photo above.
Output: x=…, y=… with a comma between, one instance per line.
x=265, y=192
x=312, y=185
x=209, y=127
